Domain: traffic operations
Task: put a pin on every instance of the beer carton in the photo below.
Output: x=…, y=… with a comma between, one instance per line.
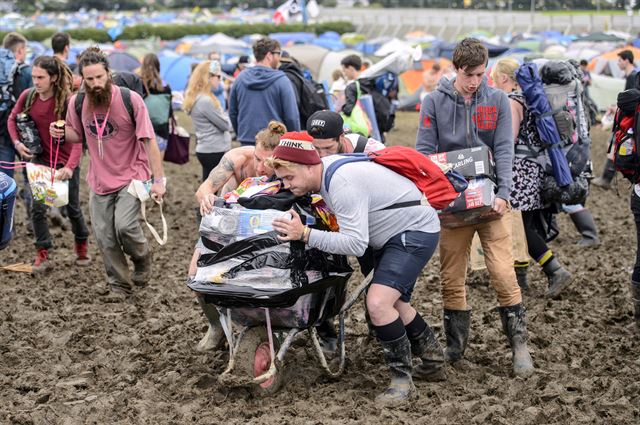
x=473, y=206
x=471, y=163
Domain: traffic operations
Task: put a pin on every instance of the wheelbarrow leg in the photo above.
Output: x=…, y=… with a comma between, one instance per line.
x=323, y=360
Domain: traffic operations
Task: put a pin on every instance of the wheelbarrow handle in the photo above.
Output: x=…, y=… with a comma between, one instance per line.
x=353, y=296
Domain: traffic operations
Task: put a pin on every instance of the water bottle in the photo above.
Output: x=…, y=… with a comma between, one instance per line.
x=627, y=147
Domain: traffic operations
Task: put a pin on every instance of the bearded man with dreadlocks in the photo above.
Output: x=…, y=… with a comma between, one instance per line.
x=122, y=148
x=46, y=102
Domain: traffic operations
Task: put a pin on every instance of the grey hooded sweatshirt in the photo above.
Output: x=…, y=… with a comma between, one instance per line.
x=448, y=123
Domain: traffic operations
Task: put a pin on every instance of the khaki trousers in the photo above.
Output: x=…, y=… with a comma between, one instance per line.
x=455, y=246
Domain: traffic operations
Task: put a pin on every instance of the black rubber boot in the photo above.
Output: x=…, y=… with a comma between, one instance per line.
x=608, y=173
x=559, y=277
x=583, y=220
x=456, y=329
x=214, y=337
x=514, y=325
x=635, y=297
x=426, y=347
x=521, y=275
x=398, y=356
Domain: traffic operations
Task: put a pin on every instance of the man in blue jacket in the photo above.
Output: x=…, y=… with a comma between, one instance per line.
x=463, y=113
x=261, y=94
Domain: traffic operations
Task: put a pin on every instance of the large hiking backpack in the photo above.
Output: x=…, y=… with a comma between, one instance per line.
x=313, y=98
x=9, y=69
x=438, y=187
x=563, y=90
x=624, y=135
x=7, y=200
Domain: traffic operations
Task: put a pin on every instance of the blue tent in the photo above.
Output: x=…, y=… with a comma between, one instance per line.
x=175, y=69
x=328, y=43
x=538, y=104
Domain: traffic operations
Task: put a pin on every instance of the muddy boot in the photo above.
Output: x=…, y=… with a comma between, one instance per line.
x=514, y=325
x=215, y=335
x=456, y=329
x=42, y=264
x=82, y=258
x=426, y=347
x=559, y=277
x=583, y=220
x=635, y=297
x=521, y=276
x=328, y=336
x=398, y=356
x=142, y=270
x=608, y=173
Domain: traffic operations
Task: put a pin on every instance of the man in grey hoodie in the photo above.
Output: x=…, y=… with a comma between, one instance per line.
x=463, y=113
x=262, y=94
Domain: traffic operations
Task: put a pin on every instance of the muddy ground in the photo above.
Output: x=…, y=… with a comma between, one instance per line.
x=67, y=356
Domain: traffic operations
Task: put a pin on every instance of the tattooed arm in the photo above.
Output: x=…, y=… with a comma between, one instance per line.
x=217, y=179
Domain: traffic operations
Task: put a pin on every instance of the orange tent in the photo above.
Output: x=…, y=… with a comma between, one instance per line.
x=607, y=63
x=411, y=80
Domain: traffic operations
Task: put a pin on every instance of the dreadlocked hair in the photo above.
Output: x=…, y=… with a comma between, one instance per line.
x=150, y=72
x=62, y=84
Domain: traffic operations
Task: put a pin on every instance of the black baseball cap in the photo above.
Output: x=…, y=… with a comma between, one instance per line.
x=325, y=125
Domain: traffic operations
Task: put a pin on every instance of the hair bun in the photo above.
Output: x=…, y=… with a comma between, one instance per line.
x=276, y=127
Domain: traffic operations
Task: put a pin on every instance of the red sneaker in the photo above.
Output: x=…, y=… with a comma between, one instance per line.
x=82, y=259
x=42, y=263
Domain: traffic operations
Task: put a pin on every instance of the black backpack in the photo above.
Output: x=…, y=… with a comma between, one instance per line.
x=311, y=95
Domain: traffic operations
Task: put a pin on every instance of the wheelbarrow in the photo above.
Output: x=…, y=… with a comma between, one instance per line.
x=268, y=321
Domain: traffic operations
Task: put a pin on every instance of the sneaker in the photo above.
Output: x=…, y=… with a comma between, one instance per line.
x=82, y=258
x=142, y=271
x=42, y=264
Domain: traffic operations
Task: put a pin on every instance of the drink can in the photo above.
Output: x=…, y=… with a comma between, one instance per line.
x=59, y=125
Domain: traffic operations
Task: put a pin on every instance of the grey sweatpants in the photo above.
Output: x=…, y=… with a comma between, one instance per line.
x=114, y=218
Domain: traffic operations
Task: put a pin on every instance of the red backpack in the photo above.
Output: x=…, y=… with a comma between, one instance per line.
x=624, y=137
x=438, y=187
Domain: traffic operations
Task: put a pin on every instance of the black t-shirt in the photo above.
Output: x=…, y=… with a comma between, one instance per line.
x=631, y=80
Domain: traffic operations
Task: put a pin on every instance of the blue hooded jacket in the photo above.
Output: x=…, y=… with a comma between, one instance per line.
x=259, y=95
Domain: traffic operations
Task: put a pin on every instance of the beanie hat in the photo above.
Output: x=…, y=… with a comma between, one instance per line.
x=325, y=125
x=296, y=146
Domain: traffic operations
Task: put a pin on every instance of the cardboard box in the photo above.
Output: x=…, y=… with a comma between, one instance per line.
x=471, y=163
x=473, y=206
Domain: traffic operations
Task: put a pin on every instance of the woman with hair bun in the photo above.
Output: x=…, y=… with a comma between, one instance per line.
x=235, y=166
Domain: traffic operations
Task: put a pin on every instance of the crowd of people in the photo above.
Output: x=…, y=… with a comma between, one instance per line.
x=124, y=137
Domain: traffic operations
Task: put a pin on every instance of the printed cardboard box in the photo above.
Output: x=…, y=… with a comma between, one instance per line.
x=473, y=206
x=471, y=163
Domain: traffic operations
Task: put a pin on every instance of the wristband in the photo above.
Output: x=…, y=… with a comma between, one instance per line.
x=162, y=180
x=16, y=144
x=305, y=233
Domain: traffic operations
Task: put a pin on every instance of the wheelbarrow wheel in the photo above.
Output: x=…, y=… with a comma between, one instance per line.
x=253, y=359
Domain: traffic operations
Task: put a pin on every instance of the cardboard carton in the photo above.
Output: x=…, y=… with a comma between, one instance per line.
x=471, y=163
x=473, y=206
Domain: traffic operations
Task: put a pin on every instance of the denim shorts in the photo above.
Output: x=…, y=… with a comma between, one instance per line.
x=401, y=260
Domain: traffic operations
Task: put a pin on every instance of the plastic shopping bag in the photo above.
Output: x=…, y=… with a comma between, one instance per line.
x=53, y=194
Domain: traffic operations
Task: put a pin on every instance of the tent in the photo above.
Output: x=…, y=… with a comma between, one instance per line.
x=175, y=69
x=320, y=61
x=607, y=63
x=289, y=38
x=221, y=43
x=123, y=61
x=604, y=90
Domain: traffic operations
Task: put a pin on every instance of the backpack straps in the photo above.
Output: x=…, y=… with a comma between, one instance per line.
x=361, y=144
x=126, y=98
x=333, y=167
x=29, y=100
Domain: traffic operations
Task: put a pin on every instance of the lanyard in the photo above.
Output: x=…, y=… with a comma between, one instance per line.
x=100, y=130
x=53, y=162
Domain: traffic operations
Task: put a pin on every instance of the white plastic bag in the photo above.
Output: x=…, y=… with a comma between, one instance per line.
x=43, y=191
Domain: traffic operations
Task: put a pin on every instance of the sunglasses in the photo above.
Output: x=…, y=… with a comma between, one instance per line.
x=277, y=52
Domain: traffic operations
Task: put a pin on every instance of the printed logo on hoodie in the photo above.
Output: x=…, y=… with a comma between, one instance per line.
x=486, y=117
